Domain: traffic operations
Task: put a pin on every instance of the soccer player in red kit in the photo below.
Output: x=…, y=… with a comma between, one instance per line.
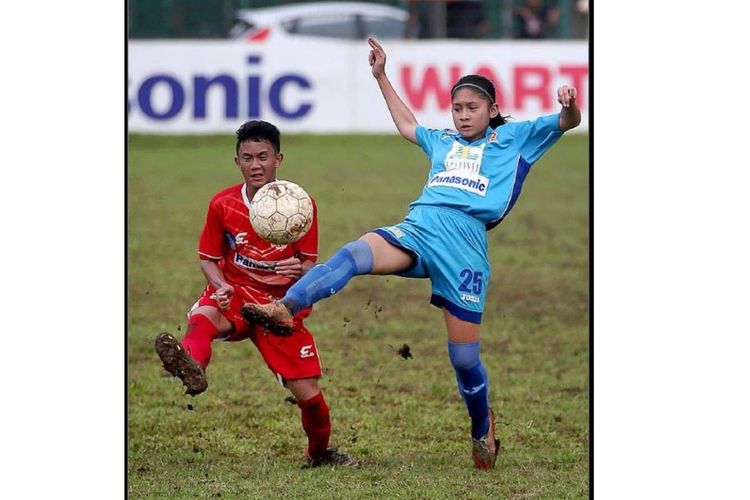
x=240, y=267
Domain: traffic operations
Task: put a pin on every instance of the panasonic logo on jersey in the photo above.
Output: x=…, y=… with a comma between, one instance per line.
x=248, y=263
x=473, y=183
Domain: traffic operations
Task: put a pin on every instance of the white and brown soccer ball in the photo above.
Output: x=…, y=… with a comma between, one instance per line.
x=281, y=212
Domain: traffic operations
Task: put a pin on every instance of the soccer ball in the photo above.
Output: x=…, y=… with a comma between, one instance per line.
x=281, y=212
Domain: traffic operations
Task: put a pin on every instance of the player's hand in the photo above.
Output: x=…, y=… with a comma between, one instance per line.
x=566, y=96
x=291, y=268
x=377, y=58
x=223, y=296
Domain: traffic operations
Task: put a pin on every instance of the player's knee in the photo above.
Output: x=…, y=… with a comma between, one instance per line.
x=362, y=255
x=464, y=356
x=204, y=313
x=303, y=389
x=209, y=314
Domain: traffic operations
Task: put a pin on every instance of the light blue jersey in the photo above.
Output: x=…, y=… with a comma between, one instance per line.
x=470, y=188
x=483, y=178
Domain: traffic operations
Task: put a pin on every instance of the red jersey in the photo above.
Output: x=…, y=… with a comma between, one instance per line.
x=244, y=257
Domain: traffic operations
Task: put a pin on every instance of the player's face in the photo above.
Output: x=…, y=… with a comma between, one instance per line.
x=471, y=113
x=258, y=162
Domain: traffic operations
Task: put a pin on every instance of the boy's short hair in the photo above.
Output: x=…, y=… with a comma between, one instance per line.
x=259, y=130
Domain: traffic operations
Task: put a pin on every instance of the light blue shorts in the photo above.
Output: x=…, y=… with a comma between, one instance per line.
x=450, y=248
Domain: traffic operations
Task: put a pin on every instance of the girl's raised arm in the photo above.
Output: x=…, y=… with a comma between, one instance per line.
x=402, y=116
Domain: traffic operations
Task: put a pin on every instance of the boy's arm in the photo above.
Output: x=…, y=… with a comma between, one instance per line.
x=215, y=278
x=307, y=265
x=294, y=267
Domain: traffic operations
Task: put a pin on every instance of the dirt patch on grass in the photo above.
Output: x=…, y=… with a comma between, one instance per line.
x=404, y=351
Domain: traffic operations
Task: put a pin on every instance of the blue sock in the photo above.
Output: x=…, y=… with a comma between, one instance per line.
x=472, y=384
x=323, y=280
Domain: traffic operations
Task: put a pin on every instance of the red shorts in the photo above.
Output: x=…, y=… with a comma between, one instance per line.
x=289, y=358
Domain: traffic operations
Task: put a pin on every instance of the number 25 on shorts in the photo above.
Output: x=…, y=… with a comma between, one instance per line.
x=471, y=279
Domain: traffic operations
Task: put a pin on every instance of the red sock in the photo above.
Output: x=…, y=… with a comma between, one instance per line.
x=316, y=421
x=197, y=342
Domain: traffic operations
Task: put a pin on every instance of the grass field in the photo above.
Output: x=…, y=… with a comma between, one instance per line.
x=402, y=417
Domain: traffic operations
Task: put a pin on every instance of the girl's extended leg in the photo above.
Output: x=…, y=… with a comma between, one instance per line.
x=371, y=254
x=471, y=376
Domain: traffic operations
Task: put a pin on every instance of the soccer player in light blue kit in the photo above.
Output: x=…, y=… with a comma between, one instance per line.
x=475, y=178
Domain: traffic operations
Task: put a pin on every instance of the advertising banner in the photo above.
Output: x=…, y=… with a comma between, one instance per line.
x=324, y=86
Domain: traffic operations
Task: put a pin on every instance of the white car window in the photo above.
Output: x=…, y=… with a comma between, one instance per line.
x=383, y=27
x=329, y=26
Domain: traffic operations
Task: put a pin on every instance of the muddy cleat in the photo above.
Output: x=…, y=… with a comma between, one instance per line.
x=332, y=457
x=484, y=450
x=179, y=363
x=275, y=317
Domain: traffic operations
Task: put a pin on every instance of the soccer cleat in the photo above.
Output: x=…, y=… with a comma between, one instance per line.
x=485, y=449
x=275, y=317
x=179, y=363
x=332, y=457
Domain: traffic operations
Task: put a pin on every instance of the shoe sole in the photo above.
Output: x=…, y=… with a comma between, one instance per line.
x=260, y=317
x=177, y=362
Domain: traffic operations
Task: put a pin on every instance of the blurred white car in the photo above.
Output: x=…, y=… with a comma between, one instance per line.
x=348, y=20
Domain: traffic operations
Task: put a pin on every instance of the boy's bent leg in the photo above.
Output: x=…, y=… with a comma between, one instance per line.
x=179, y=363
x=204, y=325
x=189, y=360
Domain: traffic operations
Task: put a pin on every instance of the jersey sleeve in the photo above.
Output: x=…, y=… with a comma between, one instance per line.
x=211, y=244
x=427, y=138
x=308, y=244
x=537, y=136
